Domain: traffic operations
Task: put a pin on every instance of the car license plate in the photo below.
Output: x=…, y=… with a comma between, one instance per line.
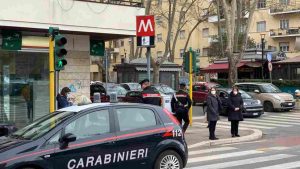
x=290, y=104
x=255, y=114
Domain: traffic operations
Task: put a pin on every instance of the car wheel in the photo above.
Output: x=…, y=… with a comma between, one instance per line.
x=168, y=160
x=268, y=107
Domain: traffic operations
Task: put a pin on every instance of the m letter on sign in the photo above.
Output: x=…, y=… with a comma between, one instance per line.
x=145, y=31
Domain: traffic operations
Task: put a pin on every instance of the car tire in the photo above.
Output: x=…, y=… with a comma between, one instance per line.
x=268, y=106
x=168, y=158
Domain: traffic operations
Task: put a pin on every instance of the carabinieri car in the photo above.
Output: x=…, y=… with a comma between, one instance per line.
x=99, y=135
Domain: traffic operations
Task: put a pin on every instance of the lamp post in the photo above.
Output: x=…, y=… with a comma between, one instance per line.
x=262, y=54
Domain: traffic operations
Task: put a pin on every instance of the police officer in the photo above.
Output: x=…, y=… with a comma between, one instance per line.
x=181, y=104
x=149, y=94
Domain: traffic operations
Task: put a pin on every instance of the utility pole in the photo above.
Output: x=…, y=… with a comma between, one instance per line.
x=262, y=54
x=51, y=72
x=191, y=82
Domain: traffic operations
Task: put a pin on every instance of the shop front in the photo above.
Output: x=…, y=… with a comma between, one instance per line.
x=24, y=91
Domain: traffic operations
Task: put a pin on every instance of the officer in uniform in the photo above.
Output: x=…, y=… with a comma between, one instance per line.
x=181, y=104
x=149, y=95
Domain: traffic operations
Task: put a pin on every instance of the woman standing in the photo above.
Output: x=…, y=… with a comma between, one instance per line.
x=235, y=105
x=213, y=108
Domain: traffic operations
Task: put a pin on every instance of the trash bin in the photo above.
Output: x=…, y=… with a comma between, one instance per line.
x=6, y=129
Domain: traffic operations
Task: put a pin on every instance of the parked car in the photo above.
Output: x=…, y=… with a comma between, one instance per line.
x=165, y=89
x=118, y=89
x=99, y=135
x=271, y=96
x=252, y=107
x=131, y=86
x=98, y=88
x=200, y=91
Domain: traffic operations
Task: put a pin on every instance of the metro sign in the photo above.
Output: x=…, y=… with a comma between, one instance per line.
x=145, y=30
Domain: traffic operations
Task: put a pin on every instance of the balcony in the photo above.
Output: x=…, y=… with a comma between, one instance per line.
x=290, y=32
x=293, y=6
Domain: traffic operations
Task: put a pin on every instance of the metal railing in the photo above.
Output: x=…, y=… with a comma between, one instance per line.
x=133, y=3
x=290, y=6
x=285, y=32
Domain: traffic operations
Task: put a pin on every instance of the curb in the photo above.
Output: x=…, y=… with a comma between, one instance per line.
x=257, y=134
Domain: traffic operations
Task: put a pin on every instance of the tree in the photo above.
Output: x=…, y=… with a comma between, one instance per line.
x=235, y=12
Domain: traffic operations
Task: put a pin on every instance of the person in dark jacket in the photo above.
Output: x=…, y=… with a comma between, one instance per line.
x=149, y=95
x=62, y=98
x=214, y=106
x=181, y=104
x=235, y=106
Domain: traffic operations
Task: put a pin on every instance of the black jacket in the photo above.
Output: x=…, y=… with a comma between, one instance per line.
x=183, y=102
x=151, y=96
x=235, y=101
x=214, y=106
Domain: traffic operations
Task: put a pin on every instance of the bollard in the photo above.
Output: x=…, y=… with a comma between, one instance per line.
x=97, y=98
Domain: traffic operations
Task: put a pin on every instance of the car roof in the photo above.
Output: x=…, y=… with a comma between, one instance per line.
x=76, y=108
x=255, y=83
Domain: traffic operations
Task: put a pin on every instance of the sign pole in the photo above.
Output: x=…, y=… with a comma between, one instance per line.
x=106, y=67
x=148, y=62
x=191, y=84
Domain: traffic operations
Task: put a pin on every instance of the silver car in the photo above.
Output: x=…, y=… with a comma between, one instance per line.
x=271, y=96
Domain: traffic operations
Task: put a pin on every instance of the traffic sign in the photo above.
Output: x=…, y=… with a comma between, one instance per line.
x=269, y=56
x=145, y=30
x=270, y=66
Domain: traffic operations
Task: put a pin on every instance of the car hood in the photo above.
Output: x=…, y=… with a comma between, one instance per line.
x=8, y=143
x=285, y=96
x=251, y=102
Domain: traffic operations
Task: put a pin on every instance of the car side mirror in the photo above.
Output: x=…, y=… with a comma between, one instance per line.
x=256, y=91
x=66, y=139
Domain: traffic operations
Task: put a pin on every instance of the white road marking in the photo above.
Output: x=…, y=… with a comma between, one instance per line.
x=220, y=149
x=295, y=164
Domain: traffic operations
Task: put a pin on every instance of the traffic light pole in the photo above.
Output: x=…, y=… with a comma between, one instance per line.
x=51, y=75
x=191, y=83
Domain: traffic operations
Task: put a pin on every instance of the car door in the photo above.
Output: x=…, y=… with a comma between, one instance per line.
x=196, y=94
x=94, y=145
x=203, y=91
x=139, y=130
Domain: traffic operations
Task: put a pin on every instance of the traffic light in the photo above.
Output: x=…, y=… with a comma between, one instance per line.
x=60, y=52
x=197, y=62
x=186, y=63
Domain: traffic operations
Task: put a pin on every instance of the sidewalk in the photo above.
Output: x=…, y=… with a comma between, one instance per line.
x=197, y=135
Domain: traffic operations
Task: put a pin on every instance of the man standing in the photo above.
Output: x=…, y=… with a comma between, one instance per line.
x=181, y=104
x=149, y=94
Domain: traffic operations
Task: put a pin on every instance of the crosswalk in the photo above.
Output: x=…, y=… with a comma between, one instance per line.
x=265, y=122
x=232, y=157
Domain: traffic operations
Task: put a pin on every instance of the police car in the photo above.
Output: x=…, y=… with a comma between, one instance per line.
x=99, y=135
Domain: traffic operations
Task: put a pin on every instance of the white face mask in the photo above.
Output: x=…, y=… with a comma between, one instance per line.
x=235, y=92
x=68, y=95
x=213, y=92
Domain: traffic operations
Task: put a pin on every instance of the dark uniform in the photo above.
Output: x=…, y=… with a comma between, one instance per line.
x=150, y=95
x=181, y=104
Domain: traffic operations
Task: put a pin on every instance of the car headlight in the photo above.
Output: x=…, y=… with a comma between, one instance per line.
x=277, y=97
x=258, y=101
x=245, y=104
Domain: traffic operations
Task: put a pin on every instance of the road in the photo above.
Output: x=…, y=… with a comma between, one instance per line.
x=278, y=149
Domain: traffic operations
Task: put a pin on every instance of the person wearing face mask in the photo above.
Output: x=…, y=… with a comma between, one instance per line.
x=235, y=105
x=214, y=106
x=62, y=98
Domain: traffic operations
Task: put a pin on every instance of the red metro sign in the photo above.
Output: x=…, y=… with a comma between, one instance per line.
x=145, y=30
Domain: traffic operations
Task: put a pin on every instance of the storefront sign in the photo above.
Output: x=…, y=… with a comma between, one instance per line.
x=97, y=47
x=12, y=40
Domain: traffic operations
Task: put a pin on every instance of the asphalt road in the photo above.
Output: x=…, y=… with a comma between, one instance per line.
x=278, y=149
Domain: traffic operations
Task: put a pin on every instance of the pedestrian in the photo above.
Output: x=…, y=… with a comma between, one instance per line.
x=62, y=98
x=149, y=95
x=235, y=105
x=181, y=104
x=214, y=106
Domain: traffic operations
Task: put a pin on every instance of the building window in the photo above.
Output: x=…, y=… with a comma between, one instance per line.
x=159, y=54
x=284, y=2
x=159, y=3
x=261, y=26
x=261, y=4
x=159, y=37
x=205, y=32
x=181, y=53
x=182, y=34
x=171, y=36
x=158, y=20
x=284, y=46
x=284, y=24
x=205, y=51
x=121, y=43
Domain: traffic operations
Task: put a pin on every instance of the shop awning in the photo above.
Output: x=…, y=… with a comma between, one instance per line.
x=219, y=67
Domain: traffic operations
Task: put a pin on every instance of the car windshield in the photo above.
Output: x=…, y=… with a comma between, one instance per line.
x=41, y=126
x=245, y=95
x=117, y=89
x=134, y=86
x=270, y=88
x=168, y=90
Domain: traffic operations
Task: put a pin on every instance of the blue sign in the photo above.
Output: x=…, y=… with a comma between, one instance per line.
x=269, y=56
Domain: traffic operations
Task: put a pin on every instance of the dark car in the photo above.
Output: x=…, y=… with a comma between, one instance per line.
x=99, y=135
x=98, y=88
x=251, y=108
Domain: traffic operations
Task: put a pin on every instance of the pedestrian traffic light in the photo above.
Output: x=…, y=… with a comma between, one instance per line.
x=60, y=52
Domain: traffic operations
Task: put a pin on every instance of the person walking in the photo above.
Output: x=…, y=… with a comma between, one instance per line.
x=181, y=104
x=62, y=98
x=149, y=95
x=235, y=105
x=214, y=106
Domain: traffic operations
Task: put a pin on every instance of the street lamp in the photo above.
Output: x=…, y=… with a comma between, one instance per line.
x=262, y=36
